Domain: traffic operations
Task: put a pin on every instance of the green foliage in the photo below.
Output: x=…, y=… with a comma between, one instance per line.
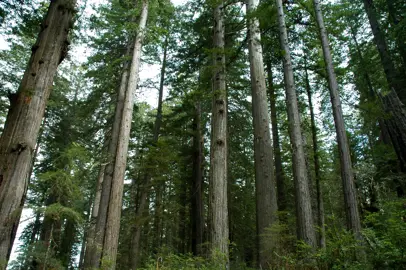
x=385, y=235
x=58, y=212
x=188, y=262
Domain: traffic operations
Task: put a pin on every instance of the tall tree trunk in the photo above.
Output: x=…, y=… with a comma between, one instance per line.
x=159, y=186
x=279, y=173
x=347, y=175
x=117, y=183
x=319, y=194
x=95, y=240
x=218, y=148
x=266, y=205
x=24, y=118
x=393, y=76
x=304, y=215
x=393, y=102
x=145, y=186
x=197, y=219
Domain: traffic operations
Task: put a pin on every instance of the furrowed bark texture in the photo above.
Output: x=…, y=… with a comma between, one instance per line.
x=279, y=173
x=347, y=175
x=304, y=215
x=266, y=206
x=218, y=148
x=316, y=162
x=94, y=245
x=24, y=118
x=117, y=183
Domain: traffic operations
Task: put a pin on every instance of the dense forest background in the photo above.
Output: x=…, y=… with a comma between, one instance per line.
x=217, y=134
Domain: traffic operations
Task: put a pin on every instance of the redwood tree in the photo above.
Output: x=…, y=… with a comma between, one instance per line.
x=27, y=108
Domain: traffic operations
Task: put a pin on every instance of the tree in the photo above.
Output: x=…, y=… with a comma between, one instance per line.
x=316, y=160
x=394, y=99
x=218, y=148
x=347, y=176
x=304, y=214
x=279, y=173
x=23, y=122
x=264, y=171
x=114, y=210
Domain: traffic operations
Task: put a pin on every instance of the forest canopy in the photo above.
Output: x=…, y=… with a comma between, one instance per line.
x=217, y=134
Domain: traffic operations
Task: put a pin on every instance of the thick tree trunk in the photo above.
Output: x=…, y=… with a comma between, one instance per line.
x=304, y=215
x=394, y=101
x=347, y=175
x=94, y=244
x=117, y=183
x=266, y=205
x=24, y=118
x=393, y=76
x=218, y=148
x=279, y=173
x=319, y=194
x=197, y=219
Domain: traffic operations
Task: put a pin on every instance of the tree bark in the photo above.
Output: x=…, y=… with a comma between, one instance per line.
x=95, y=242
x=319, y=194
x=393, y=102
x=117, y=183
x=145, y=187
x=393, y=76
x=218, y=147
x=266, y=205
x=197, y=219
x=23, y=121
x=347, y=175
x=279, y=173
x=304, y=215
